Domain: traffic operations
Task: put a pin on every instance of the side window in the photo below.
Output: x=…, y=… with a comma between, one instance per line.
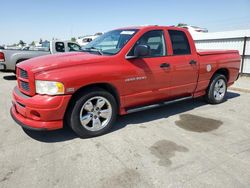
x=155, y=40
x=179, y=42
x=60, y=47
x=73, y=47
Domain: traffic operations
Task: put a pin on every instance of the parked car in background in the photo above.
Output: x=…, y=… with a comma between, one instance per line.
x=192, y=29
x=123, y=71
x=82, y=41
x=25, y=48
x=1, y=47
x=10, y=58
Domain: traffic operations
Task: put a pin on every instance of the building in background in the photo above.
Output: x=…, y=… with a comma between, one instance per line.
x=235, y=40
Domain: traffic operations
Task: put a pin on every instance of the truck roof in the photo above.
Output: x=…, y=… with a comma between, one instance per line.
x=153, y=27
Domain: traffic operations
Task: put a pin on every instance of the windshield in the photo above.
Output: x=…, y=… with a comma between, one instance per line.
x=111, y=42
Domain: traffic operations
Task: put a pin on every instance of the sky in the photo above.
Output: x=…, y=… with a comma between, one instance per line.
x=30, y=20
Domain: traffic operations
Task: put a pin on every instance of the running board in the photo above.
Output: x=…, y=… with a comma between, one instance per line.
x=157, y=105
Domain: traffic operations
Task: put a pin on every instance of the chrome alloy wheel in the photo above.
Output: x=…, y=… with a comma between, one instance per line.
x=219, y=89
x=95, y=113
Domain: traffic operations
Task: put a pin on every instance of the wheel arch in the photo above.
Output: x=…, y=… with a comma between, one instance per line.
x=105, y=86
x=223, y=71
x=20, y=60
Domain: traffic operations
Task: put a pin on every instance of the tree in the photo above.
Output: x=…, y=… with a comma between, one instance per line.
x=21, y=43
x=32, y=43
x=73, y=39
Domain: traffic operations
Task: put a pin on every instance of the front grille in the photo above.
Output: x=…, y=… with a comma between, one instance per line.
x=23, y=74
x=24, y=85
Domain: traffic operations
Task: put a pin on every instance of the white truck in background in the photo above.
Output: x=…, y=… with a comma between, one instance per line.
x=9, y=58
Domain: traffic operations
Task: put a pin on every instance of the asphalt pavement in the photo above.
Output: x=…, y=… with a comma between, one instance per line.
x=187, y=144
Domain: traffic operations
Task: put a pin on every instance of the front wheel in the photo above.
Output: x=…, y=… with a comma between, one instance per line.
x=217, y=89
x=93, y=113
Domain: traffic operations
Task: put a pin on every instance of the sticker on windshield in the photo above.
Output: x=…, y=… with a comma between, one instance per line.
x=127, y=32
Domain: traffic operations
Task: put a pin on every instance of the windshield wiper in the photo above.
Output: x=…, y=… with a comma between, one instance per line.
x=93, y=49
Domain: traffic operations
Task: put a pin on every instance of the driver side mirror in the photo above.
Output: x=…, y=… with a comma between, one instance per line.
x=140, y=51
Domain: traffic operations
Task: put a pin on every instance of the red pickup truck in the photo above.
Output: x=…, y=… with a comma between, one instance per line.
x=123, y=71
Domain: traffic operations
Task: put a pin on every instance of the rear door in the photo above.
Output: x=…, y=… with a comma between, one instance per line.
x=184, y=64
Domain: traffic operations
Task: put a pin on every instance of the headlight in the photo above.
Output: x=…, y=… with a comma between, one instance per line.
x=49, y=87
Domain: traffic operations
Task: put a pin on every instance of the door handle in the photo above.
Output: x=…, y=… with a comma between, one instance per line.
x=192, y=62
x=165, y=65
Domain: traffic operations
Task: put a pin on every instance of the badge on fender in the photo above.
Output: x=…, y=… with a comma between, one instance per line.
x=209, y=68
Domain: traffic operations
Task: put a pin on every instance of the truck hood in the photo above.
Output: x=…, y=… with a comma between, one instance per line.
x=50, y=62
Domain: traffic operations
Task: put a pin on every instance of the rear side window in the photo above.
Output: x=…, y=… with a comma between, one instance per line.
x=179, y=42
x=60, y=47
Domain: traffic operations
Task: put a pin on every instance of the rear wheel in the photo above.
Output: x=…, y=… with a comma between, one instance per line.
x=93, y=113
x=217, y=89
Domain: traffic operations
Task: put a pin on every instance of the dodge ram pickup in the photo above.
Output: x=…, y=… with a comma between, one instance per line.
x=123, y=71
x=9, y=58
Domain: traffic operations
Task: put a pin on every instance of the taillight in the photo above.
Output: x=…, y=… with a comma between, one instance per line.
x=2, y=57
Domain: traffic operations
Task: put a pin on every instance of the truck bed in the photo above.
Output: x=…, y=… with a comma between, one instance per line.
x=203, y=52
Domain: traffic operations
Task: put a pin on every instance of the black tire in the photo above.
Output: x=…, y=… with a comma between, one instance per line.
x=73, y=114
x=210, y=96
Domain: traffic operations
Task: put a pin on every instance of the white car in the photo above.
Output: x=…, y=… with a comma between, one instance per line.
x=82, y=41
x=193, y=29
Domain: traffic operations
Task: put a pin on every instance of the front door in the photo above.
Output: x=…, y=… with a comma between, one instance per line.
x=151, y=74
